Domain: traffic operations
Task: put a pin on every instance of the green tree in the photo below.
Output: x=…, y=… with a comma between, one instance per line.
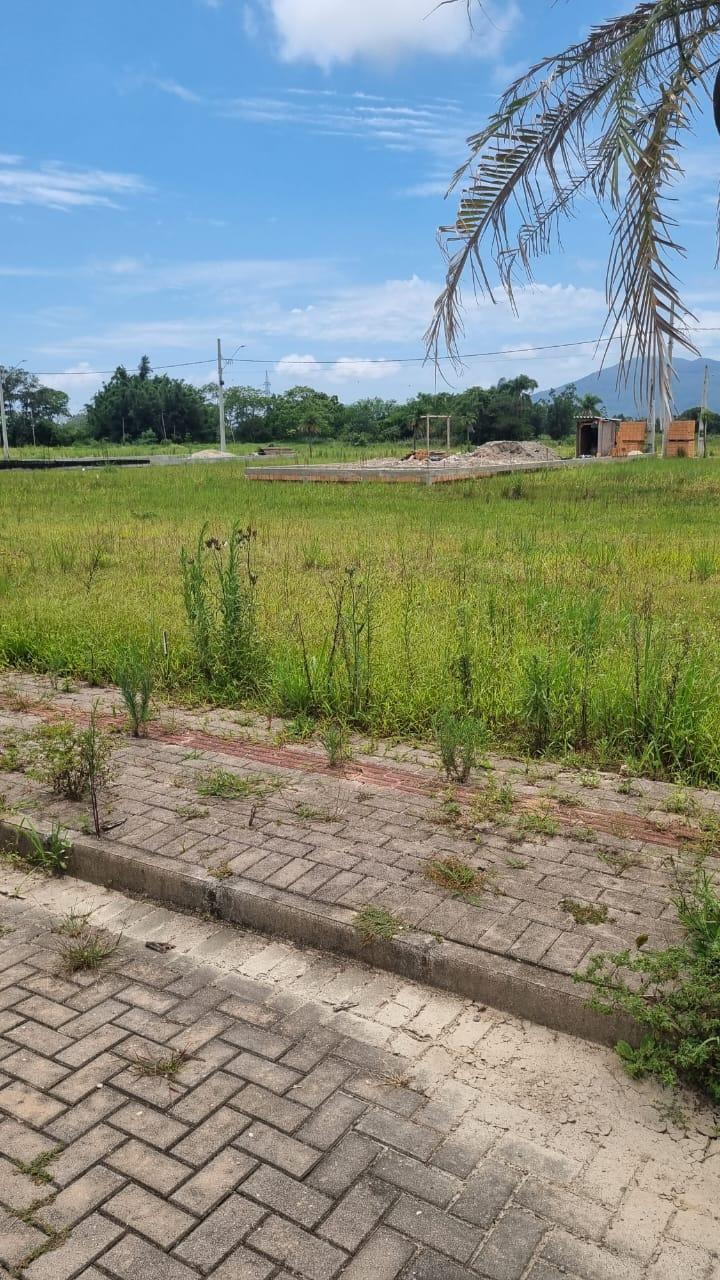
x=303, y=413
x=592, y=405
x=605, y=118
x=34, y=412
x=150, y=407
x=246, y=413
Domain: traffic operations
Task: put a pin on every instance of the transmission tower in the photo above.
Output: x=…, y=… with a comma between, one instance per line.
x=266, y=384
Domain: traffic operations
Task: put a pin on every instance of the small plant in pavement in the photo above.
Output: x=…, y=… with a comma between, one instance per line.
x=375, y=923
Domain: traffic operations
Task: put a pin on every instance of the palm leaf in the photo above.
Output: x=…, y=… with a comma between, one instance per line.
x=606, y=118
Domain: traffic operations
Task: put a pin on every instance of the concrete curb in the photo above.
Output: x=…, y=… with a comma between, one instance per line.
x=528, y=991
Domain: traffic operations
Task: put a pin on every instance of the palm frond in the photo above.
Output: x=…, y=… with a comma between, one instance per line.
x=603, y=118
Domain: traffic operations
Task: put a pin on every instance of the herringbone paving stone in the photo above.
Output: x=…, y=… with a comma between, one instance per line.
x=304, y=836
x=165, y=1119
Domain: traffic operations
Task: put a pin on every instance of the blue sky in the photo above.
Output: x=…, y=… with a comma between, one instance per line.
x=271, y=171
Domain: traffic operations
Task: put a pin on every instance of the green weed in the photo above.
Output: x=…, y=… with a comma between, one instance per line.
x=585, y=912
x=374, y=923
x=135, y=681
x=223, y=785
x=538, y=822
x=460, y=738
x=672, y=994
x=87, y=953
x=455, y=875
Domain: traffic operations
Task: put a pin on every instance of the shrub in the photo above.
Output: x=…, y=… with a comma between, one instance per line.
x=76, y=762
x=62, y=760
x=220, y=597
x=674, y=994
x=460, y=738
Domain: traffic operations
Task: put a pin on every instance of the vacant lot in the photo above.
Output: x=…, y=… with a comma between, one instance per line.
x=573, y=612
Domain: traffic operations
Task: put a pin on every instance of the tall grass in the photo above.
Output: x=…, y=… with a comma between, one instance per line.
x=574, y=620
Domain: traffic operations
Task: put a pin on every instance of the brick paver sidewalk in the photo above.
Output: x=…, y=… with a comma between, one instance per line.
x=568, y=863
x=285, y=1147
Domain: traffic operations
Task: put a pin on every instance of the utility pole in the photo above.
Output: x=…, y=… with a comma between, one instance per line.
x=666, y=387
x=3, y=423
x=702, y=425
x=221, y=399
x=651, y=422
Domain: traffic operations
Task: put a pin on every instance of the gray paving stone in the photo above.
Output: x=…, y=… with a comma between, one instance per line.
x=340, y=1167
x=325, y=1125
x=89, y=1239
x=152, y=1168
x=278, y=1148
x=420, y=1179
x=511, y=1245
x=396, y=1132
x=487, y=1193
x=220, y=1232
x=303, y=1253
x=214, y=1181
x=295, y=1200
x=150, y=1215
x=79, y=1198
x=134, y=1257
x=357, y=1213
x=17, y=1239
x=432, y=1266
x=244, y=1265
x=382, y=1257
x=422, y=1221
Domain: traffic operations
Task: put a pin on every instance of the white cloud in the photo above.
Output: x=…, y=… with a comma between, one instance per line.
x=338, y=31
x=78, y=381
x=299, y=369
x=57, y=186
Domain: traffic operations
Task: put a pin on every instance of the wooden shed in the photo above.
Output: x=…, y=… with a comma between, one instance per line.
x=681, y=439
x=595, y=437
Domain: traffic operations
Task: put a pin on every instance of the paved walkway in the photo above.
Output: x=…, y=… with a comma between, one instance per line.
x=324, y=1120
x=566, y=863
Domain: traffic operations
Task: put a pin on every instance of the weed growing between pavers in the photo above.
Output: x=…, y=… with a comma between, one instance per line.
x=334, y=738
x=88, y=952
x=494, y=803
x=460, y=739
x=455, y=875
x=74, y=924
x=538, y=822
x=375, y=923
x=619, y=862
x=166, y=1067
x=673, y=994
x=224, y=785
x=48, y=854
x=585, y=912
x=76, y=762
x=135, y=681
x=37, y=1169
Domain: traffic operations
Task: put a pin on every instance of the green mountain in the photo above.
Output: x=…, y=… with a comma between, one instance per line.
x=689, y=375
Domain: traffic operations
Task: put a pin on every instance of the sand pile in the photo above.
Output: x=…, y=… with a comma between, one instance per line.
x=515, y=451
x=212, y=455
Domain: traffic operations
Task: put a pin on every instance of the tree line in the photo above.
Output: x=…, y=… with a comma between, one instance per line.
x=142, y=407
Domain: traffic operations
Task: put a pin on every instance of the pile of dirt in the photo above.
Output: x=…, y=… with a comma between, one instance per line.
x=212, y=455
x=515, y=451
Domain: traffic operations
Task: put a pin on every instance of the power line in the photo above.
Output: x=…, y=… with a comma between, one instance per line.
x=361, y=360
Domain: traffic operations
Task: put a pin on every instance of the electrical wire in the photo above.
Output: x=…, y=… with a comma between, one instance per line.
x=340, y=360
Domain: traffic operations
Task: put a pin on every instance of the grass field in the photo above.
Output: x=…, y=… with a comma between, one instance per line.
x=575, y=612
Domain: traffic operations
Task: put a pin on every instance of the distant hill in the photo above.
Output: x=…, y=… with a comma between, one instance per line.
x=621, y=400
